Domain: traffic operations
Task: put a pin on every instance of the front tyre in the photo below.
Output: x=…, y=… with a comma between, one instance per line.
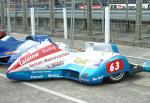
x=115, y=78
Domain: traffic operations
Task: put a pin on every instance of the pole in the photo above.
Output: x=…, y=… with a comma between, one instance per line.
x=2, y=14
x=24, y=7
x=51, y=14
x=89, y=17
x=32, y=22
x=65, y=23
x=127, y=9
x=127, y=18
x=8, y=18
x=15, y=14
x=72, y=24
x=64, y=3
x=37, y=18
x=103, y=20
x=138, y=18
x=107, y=24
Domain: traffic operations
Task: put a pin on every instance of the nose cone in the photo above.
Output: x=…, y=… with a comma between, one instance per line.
x=21, y=68
x=18, y=75
x=16, y=72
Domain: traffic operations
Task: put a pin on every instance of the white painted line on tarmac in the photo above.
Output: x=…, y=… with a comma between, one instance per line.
x=2, y=75
x=53, y=92
x=50, y=91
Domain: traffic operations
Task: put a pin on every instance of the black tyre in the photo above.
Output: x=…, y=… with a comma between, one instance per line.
x=4, y=60
x=115, y=78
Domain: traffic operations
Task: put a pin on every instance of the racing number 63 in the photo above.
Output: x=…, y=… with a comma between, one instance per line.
x=114, y=66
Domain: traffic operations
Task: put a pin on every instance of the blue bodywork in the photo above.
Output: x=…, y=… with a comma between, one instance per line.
x=70, y=71
x=9, y=45
x=69, y=64
x=146, y=66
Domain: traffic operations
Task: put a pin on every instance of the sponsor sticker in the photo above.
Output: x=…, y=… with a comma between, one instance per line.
x=53, y=75
x=98, y=78
x=37, y=77
x=55, y=64
x=81, y=61
x=47, y=50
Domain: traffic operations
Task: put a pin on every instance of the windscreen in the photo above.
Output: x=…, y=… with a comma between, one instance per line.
x=101, y=47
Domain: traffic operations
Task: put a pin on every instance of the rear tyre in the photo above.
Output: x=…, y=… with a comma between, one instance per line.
x=115, y=78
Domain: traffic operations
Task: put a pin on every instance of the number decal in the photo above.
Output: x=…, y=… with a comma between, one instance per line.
x=114, y=66
x=117, y=65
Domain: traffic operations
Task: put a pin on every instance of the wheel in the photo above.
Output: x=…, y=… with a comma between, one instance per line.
x=115, y=78
x=4, y=60
x=29, y=38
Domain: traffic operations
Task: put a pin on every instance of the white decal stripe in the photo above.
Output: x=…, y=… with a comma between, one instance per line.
x=44, y=64
x=50, y=91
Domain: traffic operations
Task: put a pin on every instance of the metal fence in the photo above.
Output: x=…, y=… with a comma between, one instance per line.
x=128, y=25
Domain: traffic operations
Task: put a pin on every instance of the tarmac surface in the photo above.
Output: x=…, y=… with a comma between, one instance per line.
x=134, y=89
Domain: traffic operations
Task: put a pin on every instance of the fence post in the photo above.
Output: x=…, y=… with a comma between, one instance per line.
x=89, y=17
x=8, y=18
x=24, y=18
x=32, y=22
x=65, y=23
x=72, y=24
x=107, y=24
x=138, y=18
x=52, y=16
x=2, y=14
